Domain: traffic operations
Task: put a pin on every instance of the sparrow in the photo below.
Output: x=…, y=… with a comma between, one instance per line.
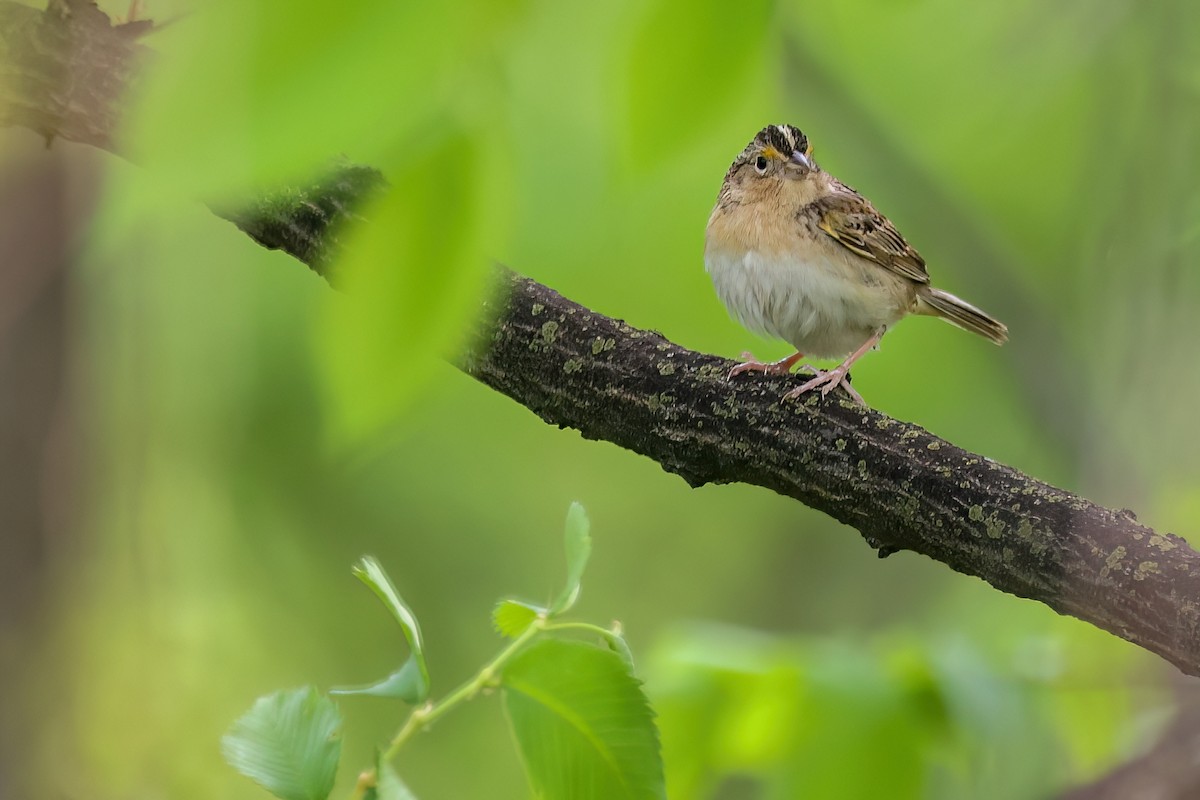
x=797, y=255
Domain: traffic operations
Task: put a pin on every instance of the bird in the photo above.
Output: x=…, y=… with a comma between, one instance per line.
x=797, y=255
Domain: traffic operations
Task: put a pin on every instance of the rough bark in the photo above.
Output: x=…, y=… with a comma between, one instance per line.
x=899, y=485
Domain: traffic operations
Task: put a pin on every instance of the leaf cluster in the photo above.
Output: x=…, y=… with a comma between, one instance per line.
x=580, y=719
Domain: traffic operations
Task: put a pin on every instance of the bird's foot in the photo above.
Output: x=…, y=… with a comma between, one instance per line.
x=781, y=367
x=827, y=382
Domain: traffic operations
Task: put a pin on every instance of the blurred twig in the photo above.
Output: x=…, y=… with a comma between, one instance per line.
x=900, y=486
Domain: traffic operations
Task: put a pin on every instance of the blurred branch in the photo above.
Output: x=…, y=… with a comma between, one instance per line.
x=1169, y=770
x=63, y=74
x=305, y=222
x=900, y=486
x=63, y=70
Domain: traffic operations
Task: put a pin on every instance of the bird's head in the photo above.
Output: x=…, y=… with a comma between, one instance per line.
x=777, y=152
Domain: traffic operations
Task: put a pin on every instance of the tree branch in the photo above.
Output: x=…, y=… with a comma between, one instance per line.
x=900, y=486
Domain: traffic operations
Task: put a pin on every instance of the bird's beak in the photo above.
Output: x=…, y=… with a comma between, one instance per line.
x=801, y=159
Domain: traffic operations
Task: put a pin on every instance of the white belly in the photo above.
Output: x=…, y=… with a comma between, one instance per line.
x=825, y=308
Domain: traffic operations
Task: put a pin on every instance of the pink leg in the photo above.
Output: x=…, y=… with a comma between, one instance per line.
x=828, y=381
x=780, y=367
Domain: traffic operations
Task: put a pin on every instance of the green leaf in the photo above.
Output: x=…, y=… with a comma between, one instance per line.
x=579, y=547
x=582, y=724
x=616, y=642
x=412, y=275
x=289, y=743
x=411, y=681
x=388, y=785
x=511, y=617
x=288, y=90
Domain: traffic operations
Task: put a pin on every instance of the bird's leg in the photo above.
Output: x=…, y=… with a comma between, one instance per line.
x=838, y=376
x=780, y=367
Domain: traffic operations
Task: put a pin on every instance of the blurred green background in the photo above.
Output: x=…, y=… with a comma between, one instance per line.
x=239, y=434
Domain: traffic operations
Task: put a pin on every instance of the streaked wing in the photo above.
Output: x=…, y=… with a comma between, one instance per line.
x=855, y=224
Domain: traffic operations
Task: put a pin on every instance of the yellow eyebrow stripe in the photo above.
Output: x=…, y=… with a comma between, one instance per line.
x=771, y=152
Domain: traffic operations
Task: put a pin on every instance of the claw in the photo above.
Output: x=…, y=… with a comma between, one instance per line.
x=826, y=382
x=839, y=375
x=781, y=367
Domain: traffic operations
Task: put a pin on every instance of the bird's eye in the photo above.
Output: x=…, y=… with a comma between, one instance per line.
x=760, y=164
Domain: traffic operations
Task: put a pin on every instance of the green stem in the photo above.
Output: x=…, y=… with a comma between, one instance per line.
x=580, y=626
x=428, y=713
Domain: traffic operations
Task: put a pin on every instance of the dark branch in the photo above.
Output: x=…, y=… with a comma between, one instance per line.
x=901, y=487
x=306, y=222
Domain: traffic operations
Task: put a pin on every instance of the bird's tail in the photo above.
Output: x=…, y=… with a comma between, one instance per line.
x=937, y=303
